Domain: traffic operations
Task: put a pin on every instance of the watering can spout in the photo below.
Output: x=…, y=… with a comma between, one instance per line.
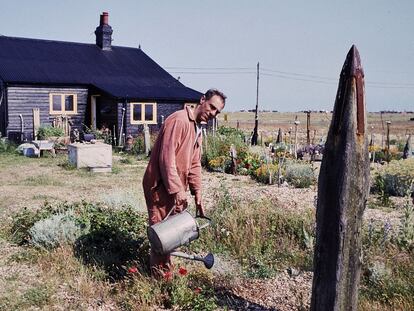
x=207, y=260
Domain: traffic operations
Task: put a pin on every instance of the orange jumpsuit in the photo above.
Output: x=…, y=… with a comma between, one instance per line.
x=174, y=166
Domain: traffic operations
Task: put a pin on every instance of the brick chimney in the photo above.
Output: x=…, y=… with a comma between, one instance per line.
x=104, y=33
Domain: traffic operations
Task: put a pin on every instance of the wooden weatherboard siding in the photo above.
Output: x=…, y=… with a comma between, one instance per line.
x=2, y=110
x=22, y=99
x=163, y=109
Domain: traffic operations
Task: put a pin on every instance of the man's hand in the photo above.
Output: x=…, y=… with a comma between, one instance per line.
x=180, y=200
x=199, y=205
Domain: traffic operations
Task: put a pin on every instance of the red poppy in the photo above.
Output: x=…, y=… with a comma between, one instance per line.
x=197, y=290
x=168, y=275
x=182, y=271
x=133, y=270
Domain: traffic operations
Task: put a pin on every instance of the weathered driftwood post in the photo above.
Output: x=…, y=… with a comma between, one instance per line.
x=308, y=127
x=147, y=139
x=342, y=194
x=279, y=136
x=387, y=150
x=297, y=122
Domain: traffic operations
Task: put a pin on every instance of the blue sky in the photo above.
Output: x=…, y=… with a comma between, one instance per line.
x=301, y=45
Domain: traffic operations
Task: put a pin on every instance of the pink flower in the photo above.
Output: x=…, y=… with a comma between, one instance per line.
x=182, y=271
x=198, y=290
x=133, y=270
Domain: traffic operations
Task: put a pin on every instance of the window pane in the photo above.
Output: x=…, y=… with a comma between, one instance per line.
x=137, y=113
x=57, y=102
x=149, y=112
x=69, y=103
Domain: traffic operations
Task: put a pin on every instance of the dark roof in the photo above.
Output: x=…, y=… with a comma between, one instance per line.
x=122, y=72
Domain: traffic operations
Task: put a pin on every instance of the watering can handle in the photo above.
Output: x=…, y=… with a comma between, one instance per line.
x=169, y=213
x=208, y=223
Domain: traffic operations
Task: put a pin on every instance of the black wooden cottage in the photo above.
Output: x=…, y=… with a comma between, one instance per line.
x=92, y=84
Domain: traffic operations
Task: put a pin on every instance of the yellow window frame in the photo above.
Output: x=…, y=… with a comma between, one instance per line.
x=143, y=121
x=191, y=105
x=62, y=104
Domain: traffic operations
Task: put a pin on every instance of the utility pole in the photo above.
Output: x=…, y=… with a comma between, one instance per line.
x=256, y=121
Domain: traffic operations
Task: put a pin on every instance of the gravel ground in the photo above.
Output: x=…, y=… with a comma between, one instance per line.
x=286, y=291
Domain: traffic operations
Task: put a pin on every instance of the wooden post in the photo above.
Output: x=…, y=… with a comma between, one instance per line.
x=342, y=194
x=308, y=127
x=387, y=150
x=147, y=140
x=36, y=122
x=256, y=120
x=297, y=122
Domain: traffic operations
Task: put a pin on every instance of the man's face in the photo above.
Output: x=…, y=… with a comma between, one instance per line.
x=209, y=109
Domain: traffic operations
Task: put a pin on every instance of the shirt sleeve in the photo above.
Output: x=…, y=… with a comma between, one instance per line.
x=172, y=136
x=194, y=175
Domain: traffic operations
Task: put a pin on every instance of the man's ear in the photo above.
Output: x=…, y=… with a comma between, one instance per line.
x=202, y=99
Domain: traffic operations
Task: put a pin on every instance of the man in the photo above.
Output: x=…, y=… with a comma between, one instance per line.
x=175, y=164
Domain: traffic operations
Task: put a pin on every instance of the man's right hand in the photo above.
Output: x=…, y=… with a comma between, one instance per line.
x=180, y=199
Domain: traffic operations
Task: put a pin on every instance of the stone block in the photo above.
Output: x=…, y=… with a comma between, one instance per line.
x=97, y=157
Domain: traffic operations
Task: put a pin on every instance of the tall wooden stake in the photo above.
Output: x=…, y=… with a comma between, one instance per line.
x=342, y=194
x=308, y=127
x=256, y=121
x=387, y=150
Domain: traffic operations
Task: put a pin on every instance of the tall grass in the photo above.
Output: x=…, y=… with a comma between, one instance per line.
x=261, y=237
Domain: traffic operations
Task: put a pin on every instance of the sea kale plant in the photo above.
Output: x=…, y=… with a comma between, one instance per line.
x=394, y=179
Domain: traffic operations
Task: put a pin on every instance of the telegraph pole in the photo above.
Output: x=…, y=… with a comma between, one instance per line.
x=256, y=121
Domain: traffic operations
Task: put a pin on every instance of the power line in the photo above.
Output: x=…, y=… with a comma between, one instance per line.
x=212, y=68
x=282, y=75
x=215, y=73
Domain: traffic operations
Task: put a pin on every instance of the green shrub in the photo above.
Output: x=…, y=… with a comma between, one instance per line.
x=56, y=230
x=116, y=236
x=387, y=275
x=299, y=175
x=266, y=173
x=405, y=236
x=218, y=146
x=46, y=131
x=394, y=179
x=6, y=146
x=24, y=220
x=139, y=146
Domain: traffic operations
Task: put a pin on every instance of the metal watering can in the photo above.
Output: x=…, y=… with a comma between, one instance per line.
x=175, y=231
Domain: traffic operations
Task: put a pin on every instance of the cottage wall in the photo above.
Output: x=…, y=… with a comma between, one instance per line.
x=3, y=118
x=22, y=99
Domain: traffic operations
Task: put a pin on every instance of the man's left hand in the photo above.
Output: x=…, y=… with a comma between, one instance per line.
x=199, y=205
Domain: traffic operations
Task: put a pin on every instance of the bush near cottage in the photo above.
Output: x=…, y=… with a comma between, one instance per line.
x=7, y=147
x=47, y=131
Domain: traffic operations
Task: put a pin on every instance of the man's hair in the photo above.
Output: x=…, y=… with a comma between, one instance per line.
x=211, y=92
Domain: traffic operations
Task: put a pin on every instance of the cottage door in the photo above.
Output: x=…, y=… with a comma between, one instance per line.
x=106, y=114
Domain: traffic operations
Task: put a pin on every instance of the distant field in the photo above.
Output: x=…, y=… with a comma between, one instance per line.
x=270, y=122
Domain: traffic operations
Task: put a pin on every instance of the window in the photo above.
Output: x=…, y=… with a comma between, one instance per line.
x=191, y=105
x=63, y=103
x=143, y=113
